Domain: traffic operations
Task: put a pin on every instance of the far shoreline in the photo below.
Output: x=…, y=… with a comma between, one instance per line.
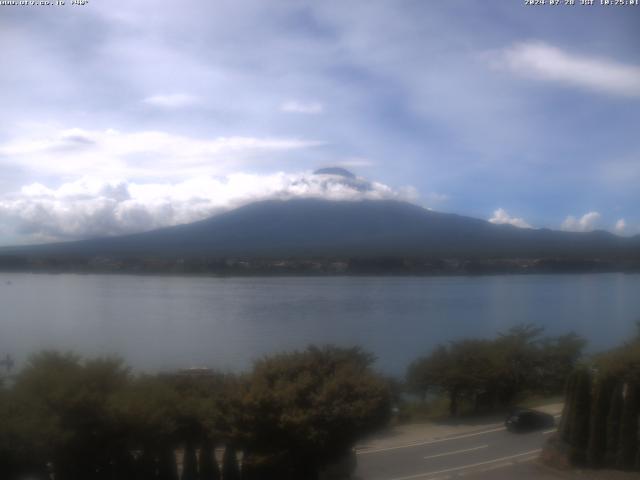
x=239, y=267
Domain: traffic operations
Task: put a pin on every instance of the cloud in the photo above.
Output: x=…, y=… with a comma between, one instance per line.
x=620, y=227
x=294, y=106
x=111, y=153
x=586, y=223
x=424, y=106
x=545, y=62
x=173, y=100
x=500, y=216
x=91, y=207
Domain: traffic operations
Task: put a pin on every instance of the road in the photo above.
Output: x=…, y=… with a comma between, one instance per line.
x=480, y=454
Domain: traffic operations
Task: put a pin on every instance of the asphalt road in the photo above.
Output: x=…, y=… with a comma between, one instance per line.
x=478, y=455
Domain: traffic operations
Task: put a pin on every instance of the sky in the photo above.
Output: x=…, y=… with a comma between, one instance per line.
x=126, y=116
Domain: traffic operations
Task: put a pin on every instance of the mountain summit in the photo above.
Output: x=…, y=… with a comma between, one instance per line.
x=339, y=171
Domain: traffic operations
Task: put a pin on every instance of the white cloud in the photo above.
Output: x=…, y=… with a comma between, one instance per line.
x=545, y=62
x=173, y=100
x=408, y=193
x=91, y=207
x=500, y=216
x=110, y=153
x=620, y=227
x=586, y=223
x=294, y=106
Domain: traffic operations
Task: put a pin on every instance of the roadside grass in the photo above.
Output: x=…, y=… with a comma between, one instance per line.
x=535, y=400
x=436, y=408
x=416, y=411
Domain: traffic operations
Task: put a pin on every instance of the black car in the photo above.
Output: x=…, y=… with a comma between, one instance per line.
x=526, y=420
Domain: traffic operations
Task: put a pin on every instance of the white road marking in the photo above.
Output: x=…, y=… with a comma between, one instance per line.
x=456, y=451
x=547, y=432
x=430, y=442
x=463, y=467
x=496, y=466
x=535, y=456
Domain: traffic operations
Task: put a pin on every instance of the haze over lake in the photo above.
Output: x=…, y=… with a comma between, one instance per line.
x=165, y=322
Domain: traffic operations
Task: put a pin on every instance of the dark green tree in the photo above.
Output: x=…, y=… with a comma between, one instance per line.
x=313, y=405
x=597, y=446
x=145, y=465
x=493, y=373
x=564, y=429
x=62, y=408
x=146, y=411
x=558, y=357
x=189, y=463
x=628, y=443
x=520, y=362
x=230, y=467
x=167, y=467
x=463, y=370
x=425, y=374
x=207, y=465
x=613, y=425
x=124, y=465
x=473, y=373
x=579, y=436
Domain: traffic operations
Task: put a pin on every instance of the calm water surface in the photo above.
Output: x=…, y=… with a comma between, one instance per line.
x=169, y=322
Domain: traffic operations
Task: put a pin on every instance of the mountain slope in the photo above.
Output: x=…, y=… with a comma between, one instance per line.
x=313, y=227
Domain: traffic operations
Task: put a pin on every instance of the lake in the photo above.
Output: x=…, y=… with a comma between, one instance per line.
x=166, y=322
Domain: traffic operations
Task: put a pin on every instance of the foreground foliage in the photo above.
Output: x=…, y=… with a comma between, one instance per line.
x=309, y=408
x=493, y=373
x=94, y=419
x=601, y=419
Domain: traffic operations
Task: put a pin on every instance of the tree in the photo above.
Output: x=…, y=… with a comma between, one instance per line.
x=579, y=436
x=61, y=407
x=622, y=362
x=598, y=424
x=628, y=444
x=146, y=412
x=472, y=372
x=564, y=428
x=613, y=425
x=519, y=361
x=207, y=465
x=230, y=468
x=558, y=357
x=464, y=369
x=144, y=465
x=495, y=372
x=91, y=419
x=189, y=463
x=167, y=467
x=426, y=373
x=313, y=404
x=204, y=400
